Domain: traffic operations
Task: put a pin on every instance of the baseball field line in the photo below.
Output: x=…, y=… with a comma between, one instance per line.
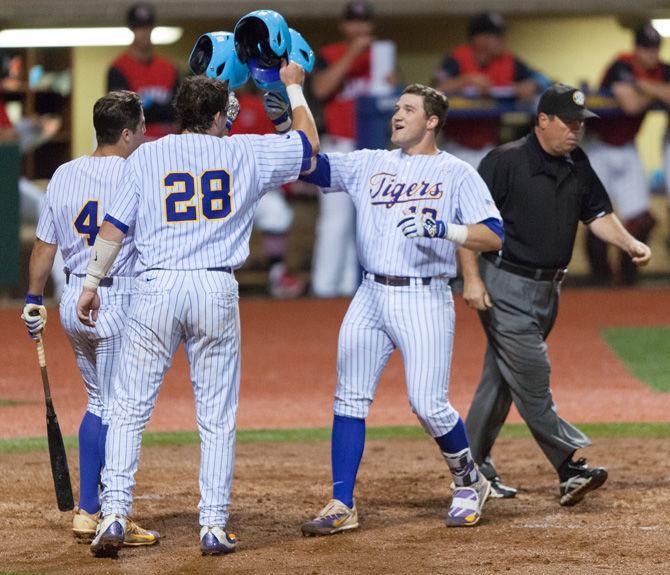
x=172, y=438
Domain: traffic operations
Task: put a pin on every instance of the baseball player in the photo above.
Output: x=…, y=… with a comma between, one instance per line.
x=77, y=196
x=191, y=198
x=439, y=202
x=634, y=80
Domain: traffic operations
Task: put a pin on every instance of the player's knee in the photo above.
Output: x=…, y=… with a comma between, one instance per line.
x=356, y=407
x=436, y=417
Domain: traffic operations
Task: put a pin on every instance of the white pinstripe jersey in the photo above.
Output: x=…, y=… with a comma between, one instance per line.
x=77, y=197
x=193, y=196
x=384, y=183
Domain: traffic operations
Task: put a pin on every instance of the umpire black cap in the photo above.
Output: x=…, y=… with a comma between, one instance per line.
x=647, y=36
x=141, y=15
x=487, y=23
x=564, y=101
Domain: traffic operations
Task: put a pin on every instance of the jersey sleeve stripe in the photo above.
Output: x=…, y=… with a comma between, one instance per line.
x=116, y=223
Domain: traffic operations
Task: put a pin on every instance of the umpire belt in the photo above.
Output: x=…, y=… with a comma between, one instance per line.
x=538, y=274
x=104, y=282
x=398, y=281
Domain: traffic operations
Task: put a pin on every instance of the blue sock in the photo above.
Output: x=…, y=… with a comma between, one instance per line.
x=347, y=444
x=455, y=449
x=89, y=462
x=454, y=441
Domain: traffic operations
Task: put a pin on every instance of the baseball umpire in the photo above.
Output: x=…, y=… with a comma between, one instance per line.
x=543, y=185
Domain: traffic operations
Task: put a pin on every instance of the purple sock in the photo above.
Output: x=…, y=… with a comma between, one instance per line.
x=347, y=444
x=90, y=464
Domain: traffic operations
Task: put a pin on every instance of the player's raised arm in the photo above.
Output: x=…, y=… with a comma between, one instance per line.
x=293, y=75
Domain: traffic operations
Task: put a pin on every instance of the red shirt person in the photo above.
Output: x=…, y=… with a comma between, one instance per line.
x=151, y=76
x=482, y=68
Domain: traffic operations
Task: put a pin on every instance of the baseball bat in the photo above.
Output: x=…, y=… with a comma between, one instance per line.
x=59, y=468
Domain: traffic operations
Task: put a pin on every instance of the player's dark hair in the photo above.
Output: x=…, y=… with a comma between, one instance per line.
x=114, y=113
x=197, y=102
x=435, y=103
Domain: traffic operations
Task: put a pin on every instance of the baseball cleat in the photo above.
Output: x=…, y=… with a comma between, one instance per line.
x=215, y=541
x=333, y=518
x=467, y=503
x=84, y=524
x=109, y=536
x=135, y=536
x=501, y=491
x=583, y=480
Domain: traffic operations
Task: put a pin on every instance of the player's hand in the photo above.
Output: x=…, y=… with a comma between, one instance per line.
x=419, y=225
x=88, y=306
x=278, y=110
x=35, y=317
x=232, y=110
x=475, y=294
x=640, y=253
x=291, y=73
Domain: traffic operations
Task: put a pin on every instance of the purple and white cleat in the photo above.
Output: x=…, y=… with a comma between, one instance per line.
x=109, y=536
x=467, y=503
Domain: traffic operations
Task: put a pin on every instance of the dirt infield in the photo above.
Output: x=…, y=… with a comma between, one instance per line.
x=402, y=497
x=288, y=367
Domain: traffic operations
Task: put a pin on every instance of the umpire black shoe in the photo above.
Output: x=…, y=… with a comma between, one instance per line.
x=580, y=480
x=501, y=491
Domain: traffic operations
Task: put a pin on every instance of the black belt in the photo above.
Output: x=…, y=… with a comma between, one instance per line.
x=104, y=282
x=398, y=281
x=227, y=269
x=538, y=274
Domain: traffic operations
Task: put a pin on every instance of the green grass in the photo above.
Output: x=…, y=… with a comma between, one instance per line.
x=645, y=351
x=167, y=439
x=11, y=403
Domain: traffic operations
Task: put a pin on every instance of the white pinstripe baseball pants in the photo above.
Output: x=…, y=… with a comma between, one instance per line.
x=419, y=321
x=97, y=349
x=200, y=308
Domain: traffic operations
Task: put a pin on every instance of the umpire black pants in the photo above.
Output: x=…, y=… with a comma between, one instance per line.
x=517, y=368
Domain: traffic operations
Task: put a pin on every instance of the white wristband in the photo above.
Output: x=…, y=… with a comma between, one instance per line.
x=457, y=233
x=103, y=254
x=295, y=96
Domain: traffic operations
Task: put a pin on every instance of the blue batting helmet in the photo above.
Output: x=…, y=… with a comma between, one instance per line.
x=300, y=51
x=262, y=41
x=214, y=56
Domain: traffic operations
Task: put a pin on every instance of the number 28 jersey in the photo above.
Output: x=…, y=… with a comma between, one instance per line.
x=78, y=195
x=192, y=197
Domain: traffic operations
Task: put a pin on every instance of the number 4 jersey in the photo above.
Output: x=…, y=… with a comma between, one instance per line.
x=192, y=197
x=78, y=195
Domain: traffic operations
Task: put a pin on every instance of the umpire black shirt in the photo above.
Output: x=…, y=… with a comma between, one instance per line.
x=542, y=198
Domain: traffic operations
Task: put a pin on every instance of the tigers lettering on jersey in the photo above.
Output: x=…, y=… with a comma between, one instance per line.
x=386, y=191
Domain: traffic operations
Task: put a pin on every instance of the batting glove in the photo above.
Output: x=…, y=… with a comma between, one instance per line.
x=278, y=110
x=421, y=226
x=34, y=315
